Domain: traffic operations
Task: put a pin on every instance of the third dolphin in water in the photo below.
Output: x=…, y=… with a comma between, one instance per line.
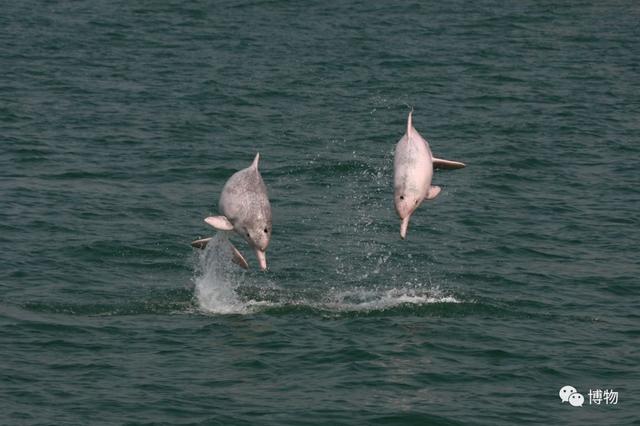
x=413, y=170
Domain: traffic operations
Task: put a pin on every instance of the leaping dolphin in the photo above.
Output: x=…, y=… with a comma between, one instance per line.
x=245, y=209
x=413, y=170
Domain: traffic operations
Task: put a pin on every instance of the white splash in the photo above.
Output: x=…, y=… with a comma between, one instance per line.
x=217, y=278
x=366, y=300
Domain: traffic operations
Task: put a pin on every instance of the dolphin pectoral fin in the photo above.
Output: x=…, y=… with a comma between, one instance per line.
x=439, y=163
x=238, y=258
x=433, y=192
x=200, y=244
x=221, y=223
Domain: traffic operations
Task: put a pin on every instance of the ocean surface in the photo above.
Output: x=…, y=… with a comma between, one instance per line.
x=121, y=121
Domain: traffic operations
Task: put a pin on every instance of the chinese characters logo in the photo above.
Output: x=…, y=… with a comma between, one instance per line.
x=598, y=396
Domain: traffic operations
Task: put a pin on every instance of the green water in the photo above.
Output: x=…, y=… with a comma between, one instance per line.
x=121, y=121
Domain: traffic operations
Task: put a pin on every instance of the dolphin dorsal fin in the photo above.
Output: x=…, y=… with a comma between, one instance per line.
x=255, y=161
x=409, y=124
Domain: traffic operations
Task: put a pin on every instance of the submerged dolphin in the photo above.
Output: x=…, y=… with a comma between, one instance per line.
x=413, y=170
x=245, y=209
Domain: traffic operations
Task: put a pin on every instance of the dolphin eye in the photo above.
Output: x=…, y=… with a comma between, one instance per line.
x=248, y=234
x=402, y=197
x=266, y=231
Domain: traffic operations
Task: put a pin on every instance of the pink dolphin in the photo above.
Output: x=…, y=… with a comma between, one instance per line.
x=245, y=209
x=413, y=170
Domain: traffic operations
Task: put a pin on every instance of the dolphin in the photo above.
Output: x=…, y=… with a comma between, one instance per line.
x=245, y=209
x=413, y=167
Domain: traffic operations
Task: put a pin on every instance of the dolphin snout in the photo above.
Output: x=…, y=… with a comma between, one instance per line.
x=262, y=259
x=404, y=226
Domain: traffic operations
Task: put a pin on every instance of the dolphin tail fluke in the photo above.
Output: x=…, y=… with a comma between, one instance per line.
x=439, y=163
x=221, y=223
x=238, y=258
x=200, y=244
x=255, y=161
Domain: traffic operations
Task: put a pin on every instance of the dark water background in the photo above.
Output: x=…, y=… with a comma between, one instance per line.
x=120, y=122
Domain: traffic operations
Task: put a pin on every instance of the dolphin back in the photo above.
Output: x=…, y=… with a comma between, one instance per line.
x=244, y=197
